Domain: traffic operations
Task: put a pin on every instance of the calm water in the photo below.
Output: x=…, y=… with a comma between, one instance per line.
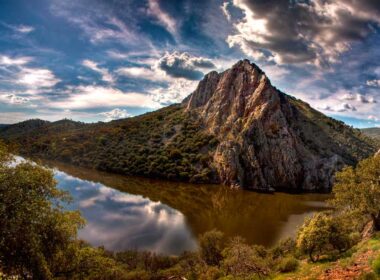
x=165, y=217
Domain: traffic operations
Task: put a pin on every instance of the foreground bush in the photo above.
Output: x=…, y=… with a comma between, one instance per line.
x=288, y=264
x=34, y=229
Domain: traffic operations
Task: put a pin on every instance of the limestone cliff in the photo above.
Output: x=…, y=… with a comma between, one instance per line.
x=267, y=139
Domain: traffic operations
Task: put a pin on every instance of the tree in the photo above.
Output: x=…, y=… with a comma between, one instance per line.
x=323, y=234
x=33, y=226
x=357, y=190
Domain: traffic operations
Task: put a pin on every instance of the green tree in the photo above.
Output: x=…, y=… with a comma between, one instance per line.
x=357, y=191
x=323, y=234
x=33, y=226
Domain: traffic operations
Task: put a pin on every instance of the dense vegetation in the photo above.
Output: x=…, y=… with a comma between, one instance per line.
x=38, y=238
x=167, y=143
x=327, y=136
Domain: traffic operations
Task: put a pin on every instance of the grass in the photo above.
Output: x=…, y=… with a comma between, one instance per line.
x=310, y=271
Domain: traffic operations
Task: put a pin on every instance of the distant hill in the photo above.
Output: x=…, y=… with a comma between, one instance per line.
x=373, y=132
x=235, y=128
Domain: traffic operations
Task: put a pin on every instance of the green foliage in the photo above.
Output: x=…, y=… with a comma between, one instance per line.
x=376, y=266
x=323, y=234
x=241, y=260
x=211, y=246
x=33, y=227
x=288, y=264
x=168, y=143
x=369, y=276
x=357, y=191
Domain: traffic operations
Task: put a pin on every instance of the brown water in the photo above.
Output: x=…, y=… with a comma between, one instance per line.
x=167, y=217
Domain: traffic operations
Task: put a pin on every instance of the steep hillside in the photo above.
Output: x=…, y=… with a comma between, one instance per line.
x=235, y=128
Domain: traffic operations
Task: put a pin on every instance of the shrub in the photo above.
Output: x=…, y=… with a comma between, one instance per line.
x=369, y=276
x=376, y=266
x=211, y=247
x=288, y=264
x=240, y=260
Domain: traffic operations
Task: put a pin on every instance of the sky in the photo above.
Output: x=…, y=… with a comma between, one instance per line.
x=93, y=60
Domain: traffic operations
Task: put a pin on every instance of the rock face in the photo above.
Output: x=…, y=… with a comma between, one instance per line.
x=267, y=139
x=377, y=154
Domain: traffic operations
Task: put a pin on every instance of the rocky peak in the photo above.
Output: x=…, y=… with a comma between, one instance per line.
x=266, y=138
x=221, y=99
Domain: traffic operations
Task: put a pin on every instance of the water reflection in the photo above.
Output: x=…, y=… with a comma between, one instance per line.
x=121, y=221
x=166, y=217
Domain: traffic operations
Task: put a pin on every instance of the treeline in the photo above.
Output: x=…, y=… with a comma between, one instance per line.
x=38, y=238
x=168, y=143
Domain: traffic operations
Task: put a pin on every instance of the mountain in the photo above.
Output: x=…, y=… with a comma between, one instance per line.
x=373, y=132
x=235, y=128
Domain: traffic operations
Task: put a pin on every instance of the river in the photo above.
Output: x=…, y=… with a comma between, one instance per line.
x=167, y=217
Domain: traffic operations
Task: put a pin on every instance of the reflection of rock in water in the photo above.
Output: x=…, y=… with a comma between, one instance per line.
x=259, y=218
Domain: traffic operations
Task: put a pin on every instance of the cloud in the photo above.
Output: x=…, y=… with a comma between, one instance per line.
x=9, y=61
x=37, y=78
x=116, y=54
x=164, y=18
x=141, y=73
x=358, y=97
x=183, y=65
x=373, y=118
x=21, y=28
x=373, y=83
x=115, y=114
x=174, y=93
x=85, y=97
x=24, y=28
x=315, y=32
x=339, y=108
x=224, y=8
x=13, y=99
x=106, y=76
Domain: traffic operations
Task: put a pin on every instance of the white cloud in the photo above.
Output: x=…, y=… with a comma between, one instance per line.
x=142, y=73
x=358, y=97
x=84, y=97
x=373, y=118
x=116, y=54
x=115, y=114
x=338, y=108
x=164, y=18
x=373, y=83
x=183, y=65
x=16, y=61
x=175, y=92
x=13, y=99
x=24, y=28
x=37, y=78
x=106, y=76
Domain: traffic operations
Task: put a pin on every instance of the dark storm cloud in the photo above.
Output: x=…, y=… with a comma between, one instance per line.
x=303, y=31
x=183, y=65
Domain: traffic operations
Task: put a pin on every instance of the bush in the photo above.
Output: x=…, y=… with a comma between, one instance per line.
x=376, y=266
x=288, y=264
x=240, y=260
x=211, y=247
x=369, y=276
